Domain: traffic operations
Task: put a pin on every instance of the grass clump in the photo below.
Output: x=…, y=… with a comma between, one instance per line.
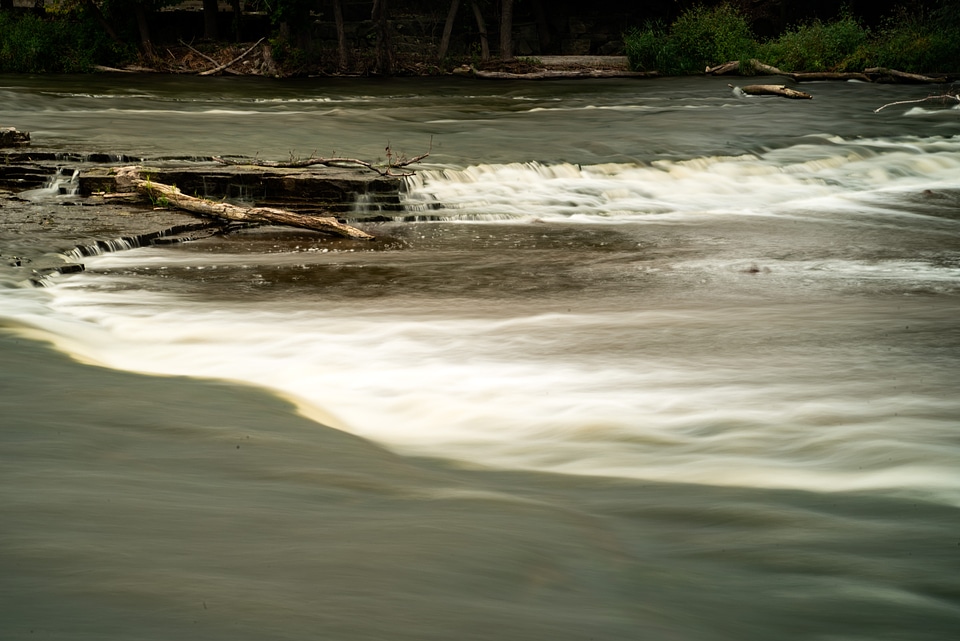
x=647, y=48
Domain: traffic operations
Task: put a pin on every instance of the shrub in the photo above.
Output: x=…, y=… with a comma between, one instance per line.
x=700, y=37
x=66, y=44
x=841, y=45
x=646, y=48
x=920, y=43
x=703, y=36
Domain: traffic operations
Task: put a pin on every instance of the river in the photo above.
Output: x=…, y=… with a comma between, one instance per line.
x=637, y=360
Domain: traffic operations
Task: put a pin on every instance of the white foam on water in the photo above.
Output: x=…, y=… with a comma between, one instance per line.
x=841, y=174
x=570, y=393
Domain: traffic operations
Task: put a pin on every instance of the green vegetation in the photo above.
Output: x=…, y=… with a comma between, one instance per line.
x=841, y=45
x=701, y=37
x=305, y=38
x=65, y=43
x=920, y=42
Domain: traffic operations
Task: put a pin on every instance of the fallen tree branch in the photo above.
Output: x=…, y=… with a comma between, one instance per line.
x=203, y=55
x=313, y=161
x=943, y=98
x=773, y=90
x=753, y=64
x=112, y=69
x=902, y=75
x=809, y=76
x=243, y=55
x=171, y=196
x=554, y=74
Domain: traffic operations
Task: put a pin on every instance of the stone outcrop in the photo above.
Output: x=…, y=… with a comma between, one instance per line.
x=10, y=137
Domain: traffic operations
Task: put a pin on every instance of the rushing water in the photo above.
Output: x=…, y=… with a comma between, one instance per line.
x=638, y=360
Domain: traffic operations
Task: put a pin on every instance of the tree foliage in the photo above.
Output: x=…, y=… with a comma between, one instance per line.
x=916, y=40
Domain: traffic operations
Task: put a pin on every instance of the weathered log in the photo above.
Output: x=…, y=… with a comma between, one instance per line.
x=172, y=196
x=728, y=67
x=773, y=90
x=902, y=76
x=10, y=137
x=112, y=69
x=753, y=64
x=809, y=76
x=554, y=74
x=765, y=68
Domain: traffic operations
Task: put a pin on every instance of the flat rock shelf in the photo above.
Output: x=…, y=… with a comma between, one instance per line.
x=327, y=190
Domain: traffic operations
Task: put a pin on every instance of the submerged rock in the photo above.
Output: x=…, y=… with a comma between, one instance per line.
x=10, y=137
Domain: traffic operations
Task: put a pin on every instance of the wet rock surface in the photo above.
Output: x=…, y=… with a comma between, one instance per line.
x=57, y=208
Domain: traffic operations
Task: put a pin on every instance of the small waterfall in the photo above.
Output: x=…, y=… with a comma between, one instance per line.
x=61, y=185
x=103, y=247
x=374, y=207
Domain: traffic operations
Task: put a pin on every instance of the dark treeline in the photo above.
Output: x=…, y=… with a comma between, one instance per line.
x=391, y=36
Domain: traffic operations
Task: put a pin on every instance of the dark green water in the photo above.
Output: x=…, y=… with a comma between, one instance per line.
x=662, y=364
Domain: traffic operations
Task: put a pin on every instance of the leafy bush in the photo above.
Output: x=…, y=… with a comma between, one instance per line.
x=700, y=37
x=920, y=43
x=703, y=36
x=33, y=44
x=841, y=45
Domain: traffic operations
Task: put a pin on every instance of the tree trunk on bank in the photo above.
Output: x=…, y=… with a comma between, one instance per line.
x=543, y=26
x=210, y=11
x=92, y=7
x=380, y=18
x=506, y=30
x=144, y=27
x=343, y=51
x=172, y=196
x=448, y=30
x=237, y=17
x=482, y=29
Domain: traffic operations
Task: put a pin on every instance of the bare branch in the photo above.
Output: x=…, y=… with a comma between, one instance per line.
x=243, y=55
x=336, y=161
x=944, y=97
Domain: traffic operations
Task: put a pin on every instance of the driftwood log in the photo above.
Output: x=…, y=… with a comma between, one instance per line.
x=773, y=90
x=130, y=178
x=811, y=76
x=553, y=74
x=734, y=66
x=872, y=74
x=902, y=76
